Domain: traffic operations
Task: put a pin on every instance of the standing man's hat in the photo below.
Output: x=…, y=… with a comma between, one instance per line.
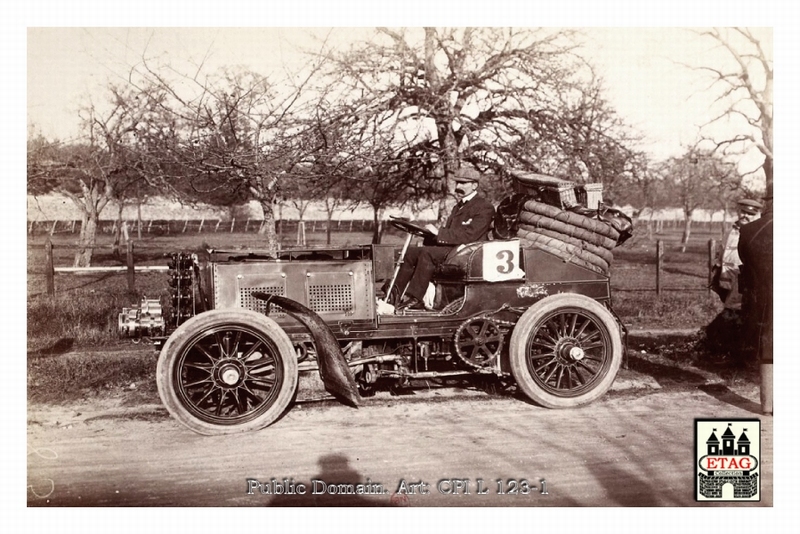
x=467, y=175
x=753, y=207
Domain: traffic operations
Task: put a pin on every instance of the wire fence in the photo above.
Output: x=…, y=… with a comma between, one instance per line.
x=174, y=226
x=178, y=226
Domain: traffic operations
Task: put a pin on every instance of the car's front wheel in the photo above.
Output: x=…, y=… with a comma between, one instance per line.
x=227, y=371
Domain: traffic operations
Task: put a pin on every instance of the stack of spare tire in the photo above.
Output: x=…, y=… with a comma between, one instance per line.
x=551, y=217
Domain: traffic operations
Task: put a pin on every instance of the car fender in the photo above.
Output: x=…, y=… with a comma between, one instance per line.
x=336, y=375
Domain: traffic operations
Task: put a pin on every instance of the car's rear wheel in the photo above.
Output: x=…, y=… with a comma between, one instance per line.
x=227, y=371
x=565, y=351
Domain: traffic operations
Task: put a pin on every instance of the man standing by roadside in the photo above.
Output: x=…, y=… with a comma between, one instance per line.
x=726, y=280
x=469, y=221
x=755, y=251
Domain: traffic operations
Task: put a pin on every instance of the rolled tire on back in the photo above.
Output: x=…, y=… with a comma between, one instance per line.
x=534, y=221
x=559, y=249
x=569, y=249
x=569, y=217
x=594, y=249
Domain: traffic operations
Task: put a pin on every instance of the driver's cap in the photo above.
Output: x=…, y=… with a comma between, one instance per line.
x=753, y=207
x=467, y=175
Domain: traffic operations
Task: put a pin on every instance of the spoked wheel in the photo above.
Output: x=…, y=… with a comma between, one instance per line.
x=227, y=371
x=565, y=351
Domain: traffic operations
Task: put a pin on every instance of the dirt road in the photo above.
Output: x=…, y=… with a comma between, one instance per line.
x=632, y=448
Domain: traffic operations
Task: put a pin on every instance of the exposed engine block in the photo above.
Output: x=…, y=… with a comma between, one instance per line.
x=146, y=320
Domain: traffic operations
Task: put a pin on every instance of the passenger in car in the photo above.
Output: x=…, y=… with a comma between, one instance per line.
x=469, y=221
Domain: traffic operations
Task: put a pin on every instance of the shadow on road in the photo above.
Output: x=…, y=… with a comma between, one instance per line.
x=665, y=375
x=723, y=394
x=335, y=485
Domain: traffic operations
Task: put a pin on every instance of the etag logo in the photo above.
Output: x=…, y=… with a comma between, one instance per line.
x=727, y=460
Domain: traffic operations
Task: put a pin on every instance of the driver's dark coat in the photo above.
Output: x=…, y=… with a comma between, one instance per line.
x=467, y=223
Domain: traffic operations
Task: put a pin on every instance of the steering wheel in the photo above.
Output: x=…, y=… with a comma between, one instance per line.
x=411, y=227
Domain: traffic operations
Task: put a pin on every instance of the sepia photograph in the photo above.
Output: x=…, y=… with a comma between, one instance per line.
x=434, y=265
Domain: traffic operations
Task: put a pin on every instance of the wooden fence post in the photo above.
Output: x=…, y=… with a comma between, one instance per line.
x=247, y=225
x=49, y=271
x=131, y=270
x=712, y=256
x=233, y=223
x=659, y=264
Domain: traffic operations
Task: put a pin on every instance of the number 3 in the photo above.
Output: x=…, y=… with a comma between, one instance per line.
x=508, y=257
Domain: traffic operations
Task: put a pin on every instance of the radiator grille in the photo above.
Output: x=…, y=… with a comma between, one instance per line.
x=331, y=298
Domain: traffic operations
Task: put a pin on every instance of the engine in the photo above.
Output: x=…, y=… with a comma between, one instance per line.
x=146, y=320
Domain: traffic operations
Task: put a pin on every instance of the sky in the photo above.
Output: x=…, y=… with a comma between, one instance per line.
x=644, y=69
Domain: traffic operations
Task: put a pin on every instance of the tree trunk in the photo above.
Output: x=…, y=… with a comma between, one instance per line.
x=377, y=229
x=328, y=227
x=724, y=223
x=687, y=229
x=768, y=175
x=268, y=229
x=138, y=213
x=117, y=231
x=88, y=238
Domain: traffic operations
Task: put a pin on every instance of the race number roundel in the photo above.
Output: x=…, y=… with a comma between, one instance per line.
x=501, y=261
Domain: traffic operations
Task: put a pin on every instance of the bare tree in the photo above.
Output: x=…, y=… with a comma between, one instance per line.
x=492, y=97
x=742, y=92
x=232, y=136
x=94, y=169
x=692, y=180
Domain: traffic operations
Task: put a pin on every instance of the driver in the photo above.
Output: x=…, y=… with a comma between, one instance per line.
x=469, y=221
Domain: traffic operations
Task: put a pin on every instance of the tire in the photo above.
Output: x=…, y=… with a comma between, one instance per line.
x=565, y=251
x=227, y=371
x=569, y=217
x=532, y=221
x=569, y=324
x=604, y=253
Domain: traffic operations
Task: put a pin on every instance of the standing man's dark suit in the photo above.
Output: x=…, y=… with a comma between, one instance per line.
x=469, y=222
x=755, y=251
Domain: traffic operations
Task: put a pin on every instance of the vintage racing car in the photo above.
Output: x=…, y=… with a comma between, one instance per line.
x=242, y=326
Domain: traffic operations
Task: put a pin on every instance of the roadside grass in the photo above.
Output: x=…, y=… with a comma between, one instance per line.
x=83, y=313
x=671, y=310
x=85, y=308
x=78, y=376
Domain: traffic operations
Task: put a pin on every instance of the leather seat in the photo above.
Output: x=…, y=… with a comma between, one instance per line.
x=458, y=265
